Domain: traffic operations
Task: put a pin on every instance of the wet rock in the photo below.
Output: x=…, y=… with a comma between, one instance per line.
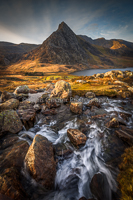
x=10, y=122
x=62, y=150
x=125, y=136
x=99, y=187
x=4, y=197
x=11, y=186
x=114, y=123
x=86, y=112
x=22, y=89
x=90, y=95
x=7, y=95
x=94, y=102
x=22, y=97
x=43, y=98
x=14, y=155
x=62, y=89
x=125, y=116
x=76, y=107
x=27, y=113
x=31, y=91
x=8, y=141
x=53, y=102
x=40, y=161
x=37, y=107
x=76, y=137
x=10, y=104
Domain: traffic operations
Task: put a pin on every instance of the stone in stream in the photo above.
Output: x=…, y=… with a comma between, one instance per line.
x=90, y=95
x=40, y=161
x=62, y=89
x=10, y=104
x=10, y=122
x=53, y=102
x=22, y=89
x=94, y=102
x=76, y=137
x=7, y=95
x=100, y=188
x=76, y=107
x=27, y=114
x=43, y=98
x=114, y=123
x=126, y=135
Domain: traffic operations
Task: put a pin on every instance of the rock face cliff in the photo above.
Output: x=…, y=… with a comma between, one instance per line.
x=64, y=47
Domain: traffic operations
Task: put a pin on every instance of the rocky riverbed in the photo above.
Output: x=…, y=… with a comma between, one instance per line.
x=58, y=144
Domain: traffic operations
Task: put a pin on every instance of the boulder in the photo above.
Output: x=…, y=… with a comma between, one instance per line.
x=94, y=102
x=76, y=107
x=76, y=137
x=11, y=186
x=126, y=136
x=53, y=102
x=99, y=187
x=37, y=107
x=22, y=97
x=27, y=114
x=7, y=95
x=62, y=89
x=10, y=104
x=22, y=89
x=40, y=162
x=90, y=95
x=43, y=98
x=8, y=141
x=114, y=123
x=10, y=122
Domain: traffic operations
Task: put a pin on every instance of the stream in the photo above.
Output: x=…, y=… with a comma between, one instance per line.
x=76, y=169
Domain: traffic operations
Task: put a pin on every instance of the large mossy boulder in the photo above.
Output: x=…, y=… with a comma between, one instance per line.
x=27, y=114
x=76, y=137
x=22, y=89
x=10, y=122
x=10, y=104
x=62, y=89
x=40, y=161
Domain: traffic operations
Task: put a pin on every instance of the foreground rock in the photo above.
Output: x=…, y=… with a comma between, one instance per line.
x=40, y=161
x=10, y=122
x=94, y=102
x=27, y=113
x=126, y=135
x=99, y=187
x=90, y=95
x=76, y=107
x=10, y=104
x=114, y=123
x=7, y=95
x=62, y=89
x=76, y=137
x=22, y=89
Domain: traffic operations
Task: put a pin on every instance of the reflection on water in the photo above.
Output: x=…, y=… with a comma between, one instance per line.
x=90, y=72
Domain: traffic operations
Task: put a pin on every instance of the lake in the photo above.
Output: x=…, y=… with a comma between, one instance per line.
x=90, y=72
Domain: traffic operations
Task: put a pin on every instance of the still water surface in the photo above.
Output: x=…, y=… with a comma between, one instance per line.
x=90, y=72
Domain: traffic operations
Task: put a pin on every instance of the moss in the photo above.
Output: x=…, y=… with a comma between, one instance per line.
x=125, y=177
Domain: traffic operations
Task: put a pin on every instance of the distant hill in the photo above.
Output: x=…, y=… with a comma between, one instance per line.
x=65, y=51
x=10, y=52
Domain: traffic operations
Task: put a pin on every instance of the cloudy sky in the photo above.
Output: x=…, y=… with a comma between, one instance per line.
x=32, y=21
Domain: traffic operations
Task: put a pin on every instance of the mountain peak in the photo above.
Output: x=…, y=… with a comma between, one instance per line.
x=65, y=28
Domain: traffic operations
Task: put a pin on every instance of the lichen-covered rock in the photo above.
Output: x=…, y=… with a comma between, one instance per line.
x=90, y=95
x=114, y=123
x=94, y=102
x=10, y=104
x=40, y=161
x=27, y=114
x=62, y=89
x=22, y=89
x=10, y=122
x=7, y=95
x=76, y=137
x=76, y=107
